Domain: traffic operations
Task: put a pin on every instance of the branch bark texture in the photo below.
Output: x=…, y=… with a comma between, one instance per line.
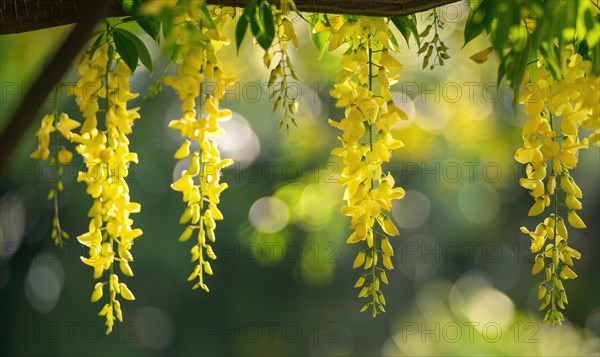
x=28, y=15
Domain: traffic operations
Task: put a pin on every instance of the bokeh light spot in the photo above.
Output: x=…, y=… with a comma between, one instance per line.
x=269, y=214
x=411, y=211
x=478, y=202
x=44, y=282
x=155, y=328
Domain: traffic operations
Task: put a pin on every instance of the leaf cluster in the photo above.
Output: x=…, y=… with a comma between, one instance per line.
x=521, y=32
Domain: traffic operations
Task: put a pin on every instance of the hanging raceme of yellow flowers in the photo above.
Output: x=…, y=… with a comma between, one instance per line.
x=199, y=125
x=55, y=123
x=551, y=142
x=107, y=158
x=279, y=79
x=366, y=142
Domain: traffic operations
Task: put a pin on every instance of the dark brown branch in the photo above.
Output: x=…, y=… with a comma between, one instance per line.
x=27, y=112
x=28, y=15
x=385, y=8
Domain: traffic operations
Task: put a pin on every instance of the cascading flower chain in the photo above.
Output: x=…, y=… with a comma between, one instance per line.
x=107, y=157
x=366, y=144
x=200, y=182
x=55, y=123
x=282, y=91
x=556, y=111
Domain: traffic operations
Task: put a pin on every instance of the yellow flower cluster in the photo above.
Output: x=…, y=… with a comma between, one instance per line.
x=280, y=74
x=107, y=157
x=199, y=183
x=556, y=110
x=366, y=144
x=55, y=123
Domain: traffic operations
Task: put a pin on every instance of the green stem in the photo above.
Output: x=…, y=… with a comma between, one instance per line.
x=555, y=247
x=58, y=167
x=373, y=248
x=201, y=239
x=112, y=288
x=556, y=273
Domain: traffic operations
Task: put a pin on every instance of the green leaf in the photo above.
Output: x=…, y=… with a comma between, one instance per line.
x=96, y=44
x=141, y=49
x=407, y=26
x=505, y=21
x=476, y=20
x=404, y=30
x=516, y=74
x=250, y=10
x=175, y=53
x=593, y=29
x=542, y=33
x=583, y=50
x=240, y=32
x=319, y=40
x=126, y=48
x=394, y=42
x=151, y=25
x=207, y=17
x=425, y=32
x=111, y=55
x=266, y=16
x=144, y=55
x=518, y=38
x=551, y=59
x=500, y=74
x=596, y=60
x=242, y=25
x=481, y=56
x=263, y=27
x=166, y=19
x=412, y=24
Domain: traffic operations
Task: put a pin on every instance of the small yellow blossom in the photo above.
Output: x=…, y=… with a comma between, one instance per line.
x=43, y=136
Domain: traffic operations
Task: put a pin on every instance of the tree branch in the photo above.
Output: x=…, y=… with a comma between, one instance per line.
x=28, y=15
x=382, y=8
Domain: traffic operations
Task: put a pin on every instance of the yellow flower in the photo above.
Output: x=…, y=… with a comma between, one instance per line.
x=575, y=220
x=106, y=154
x=199, y=183
x=538, y=237
x=43, y=136
x=66, y=125
x=367, y=143
x=64, y=156
x=569, y=98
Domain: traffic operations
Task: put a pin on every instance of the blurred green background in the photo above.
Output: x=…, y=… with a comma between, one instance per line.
x=283, y=279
